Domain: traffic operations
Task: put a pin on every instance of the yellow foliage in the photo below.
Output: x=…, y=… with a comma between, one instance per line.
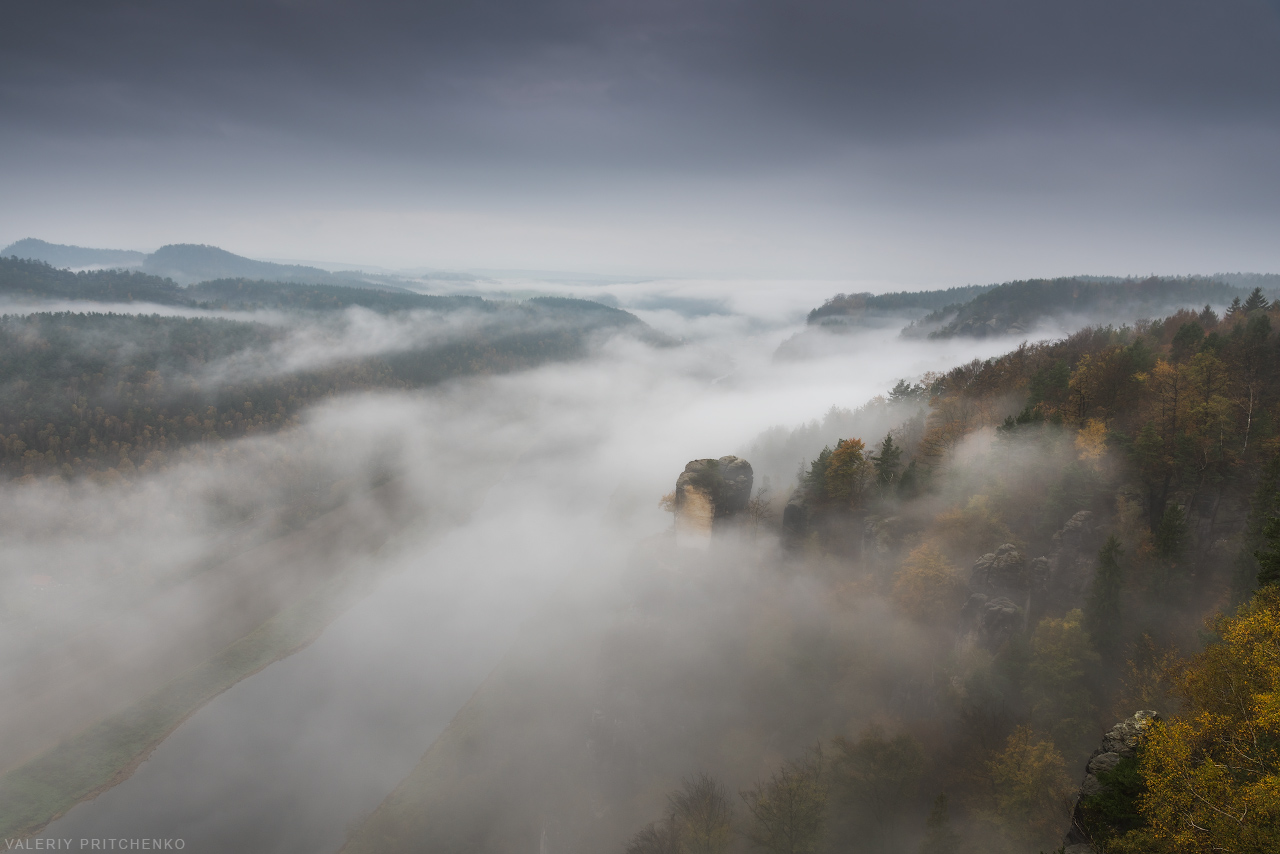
x=1091, y=441
x=928, y=587
x=1213, y=774
x=1033, y=791
x=847, y=472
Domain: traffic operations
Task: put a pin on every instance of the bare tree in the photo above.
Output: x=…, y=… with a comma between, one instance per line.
x=788, y=813
x=703, y=816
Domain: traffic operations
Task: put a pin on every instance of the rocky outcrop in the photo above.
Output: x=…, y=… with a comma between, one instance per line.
x=1074, y=558
x=1002, y=572
x=1000, y=585
x=1119, y=743
x=993, y=619
x=710, y=493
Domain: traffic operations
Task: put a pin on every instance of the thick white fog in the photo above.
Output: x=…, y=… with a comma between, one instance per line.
x=473, y=503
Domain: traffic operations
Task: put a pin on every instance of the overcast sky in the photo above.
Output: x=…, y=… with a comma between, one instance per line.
x=908, y=141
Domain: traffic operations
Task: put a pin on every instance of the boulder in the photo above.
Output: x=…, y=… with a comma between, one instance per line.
x=1119, y=742
x=710, y=493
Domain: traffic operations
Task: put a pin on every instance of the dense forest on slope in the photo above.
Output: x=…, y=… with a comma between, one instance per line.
x=852, y=308
x=1017, y=307
x=957, y=612
x=111, y=394
x=35, y=280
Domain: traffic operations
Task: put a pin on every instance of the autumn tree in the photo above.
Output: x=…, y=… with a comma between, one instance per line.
x=929, y=587
x=1032, y=791
x=847, y=472
x=1213, y=773
x=787, y=813
x=1057, y=678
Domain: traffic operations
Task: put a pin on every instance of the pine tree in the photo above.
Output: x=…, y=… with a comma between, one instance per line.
x=1102, y=612
x=1255, y=302
x=887, y=462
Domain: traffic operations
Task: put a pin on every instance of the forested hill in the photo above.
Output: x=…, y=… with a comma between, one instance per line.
x=35, y=280
x=111, y=394
x=61, y=255
x=1017, y=307
x=1014, y=308
x=187, y=263
x=851, y=308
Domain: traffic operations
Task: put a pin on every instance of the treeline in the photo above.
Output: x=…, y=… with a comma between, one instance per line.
x=1019, y=306
x=116, y=394
x=848, y=306
x=37, y=280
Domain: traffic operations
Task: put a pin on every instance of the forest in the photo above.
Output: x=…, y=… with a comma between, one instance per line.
x=1111, y=547
x=112, y=394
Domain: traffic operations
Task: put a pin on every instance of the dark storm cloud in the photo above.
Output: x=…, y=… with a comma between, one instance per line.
x=627, y=80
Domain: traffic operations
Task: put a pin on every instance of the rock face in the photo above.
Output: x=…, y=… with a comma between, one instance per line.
x=999, y=595
x=1002, y=572
x=995, y=620
x=1074, y=558
x=709, y=493
x=1119, y=743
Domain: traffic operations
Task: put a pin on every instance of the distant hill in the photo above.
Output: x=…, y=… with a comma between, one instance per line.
x=21, y=279
x=188, y=263
x=1017, y=307
x=61, y=255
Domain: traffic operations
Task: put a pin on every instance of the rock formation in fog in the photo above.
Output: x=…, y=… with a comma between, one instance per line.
x=1119, y=743
x=709, y=493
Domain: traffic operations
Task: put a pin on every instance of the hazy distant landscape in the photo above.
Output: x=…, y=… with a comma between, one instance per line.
x=640, y=428
x=958, y=565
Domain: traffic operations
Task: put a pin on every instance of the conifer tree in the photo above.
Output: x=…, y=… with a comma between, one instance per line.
x=888, y=461
x=1102, y=612
x=1255, y=302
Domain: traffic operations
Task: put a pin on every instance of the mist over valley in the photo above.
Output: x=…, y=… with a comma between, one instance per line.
x=640, y=428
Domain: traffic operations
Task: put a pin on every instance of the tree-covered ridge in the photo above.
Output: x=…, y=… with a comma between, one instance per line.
x=1017, y=307
x=32, y=280
x=844, y=307
x=97, y=393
